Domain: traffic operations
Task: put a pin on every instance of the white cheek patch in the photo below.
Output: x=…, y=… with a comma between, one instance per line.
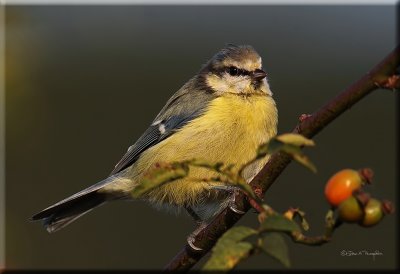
x=238, y=84
x=217, y=84
x=265, y=87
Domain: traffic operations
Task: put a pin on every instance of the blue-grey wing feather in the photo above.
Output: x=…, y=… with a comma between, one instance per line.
x=185, y=105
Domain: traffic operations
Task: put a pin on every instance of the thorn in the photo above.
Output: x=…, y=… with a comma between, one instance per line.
x=258, y=191
x=392, y=82
x=387, y=207
x=303, y=117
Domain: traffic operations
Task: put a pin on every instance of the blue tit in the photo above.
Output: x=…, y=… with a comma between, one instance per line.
x=222, y=114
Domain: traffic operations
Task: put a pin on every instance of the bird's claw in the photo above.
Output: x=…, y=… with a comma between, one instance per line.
x=192, y=237
x=232, y=205
x=190, y=240
x=234, y=209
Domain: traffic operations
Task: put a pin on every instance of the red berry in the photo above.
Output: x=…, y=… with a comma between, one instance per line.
x=342, y=184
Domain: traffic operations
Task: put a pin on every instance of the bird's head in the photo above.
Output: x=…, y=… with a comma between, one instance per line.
x=237, y=70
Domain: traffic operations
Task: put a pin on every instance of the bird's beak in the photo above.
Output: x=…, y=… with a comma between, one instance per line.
x=258, y=74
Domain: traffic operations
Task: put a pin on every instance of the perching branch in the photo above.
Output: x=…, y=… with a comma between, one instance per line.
x=382, y=75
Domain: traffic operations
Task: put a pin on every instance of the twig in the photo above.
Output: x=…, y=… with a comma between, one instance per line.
x=331, y=225
x=381, y=76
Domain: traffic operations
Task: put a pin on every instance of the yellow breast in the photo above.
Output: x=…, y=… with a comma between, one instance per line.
x=230, y=131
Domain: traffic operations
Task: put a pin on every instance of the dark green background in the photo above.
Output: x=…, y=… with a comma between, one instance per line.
x=83, y=82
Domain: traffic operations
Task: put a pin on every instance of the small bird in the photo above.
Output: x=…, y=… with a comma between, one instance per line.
x=222, y=114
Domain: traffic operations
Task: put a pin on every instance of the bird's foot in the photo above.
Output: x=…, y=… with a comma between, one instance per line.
x=232, y=200
x=233, y=191
x=192, y=237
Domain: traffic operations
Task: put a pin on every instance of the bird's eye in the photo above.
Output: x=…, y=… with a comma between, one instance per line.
x=233, y=71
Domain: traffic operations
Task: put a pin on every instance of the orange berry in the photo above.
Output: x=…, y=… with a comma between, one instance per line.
x=342, y=184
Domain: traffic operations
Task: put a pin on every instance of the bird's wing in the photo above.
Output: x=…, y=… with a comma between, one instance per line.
x=184, y=106
x=153, y=135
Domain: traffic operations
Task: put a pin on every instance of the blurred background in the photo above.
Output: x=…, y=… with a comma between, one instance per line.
x=83, y=83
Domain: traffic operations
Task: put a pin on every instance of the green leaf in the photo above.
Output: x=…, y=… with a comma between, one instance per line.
x=275, y=246
x=291, y=144
x=158, y=176
x=279, y=142
x=305, y=161
x=295, y=139
x=268, y=148
x=278, y=223
x=229, y=257
x=230, y=249
x=298, y=155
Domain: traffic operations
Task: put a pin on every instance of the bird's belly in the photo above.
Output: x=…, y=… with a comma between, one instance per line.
x=230, y=131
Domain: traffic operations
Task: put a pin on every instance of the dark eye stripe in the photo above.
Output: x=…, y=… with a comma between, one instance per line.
x=234, y=71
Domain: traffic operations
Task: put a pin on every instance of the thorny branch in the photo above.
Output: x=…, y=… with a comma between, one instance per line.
x=383, y=75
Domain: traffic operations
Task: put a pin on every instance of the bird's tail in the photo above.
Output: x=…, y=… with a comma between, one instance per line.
x=68, y=210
